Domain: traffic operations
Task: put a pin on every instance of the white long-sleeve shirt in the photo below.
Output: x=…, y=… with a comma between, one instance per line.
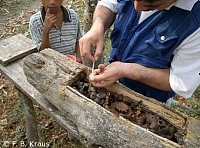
x=185, y=66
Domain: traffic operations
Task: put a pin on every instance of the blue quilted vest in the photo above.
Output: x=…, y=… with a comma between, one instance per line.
x=152, y=42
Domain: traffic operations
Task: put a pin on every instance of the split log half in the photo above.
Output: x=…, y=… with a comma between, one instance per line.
x=52, y=74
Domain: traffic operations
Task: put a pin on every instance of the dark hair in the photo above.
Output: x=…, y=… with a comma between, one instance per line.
x=151, y=1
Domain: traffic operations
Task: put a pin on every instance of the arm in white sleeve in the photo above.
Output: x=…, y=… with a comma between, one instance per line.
x=111, y=4
x=185, y=66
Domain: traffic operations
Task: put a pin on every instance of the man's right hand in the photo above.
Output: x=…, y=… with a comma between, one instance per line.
x=94, y=38
x=103, y=18
x=50, y=20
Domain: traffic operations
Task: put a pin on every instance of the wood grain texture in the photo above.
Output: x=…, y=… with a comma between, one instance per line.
x=193, y=134
x=14, y=71
x=14, y=48
x=49, y=76
x=52, y=73
x=30, y=118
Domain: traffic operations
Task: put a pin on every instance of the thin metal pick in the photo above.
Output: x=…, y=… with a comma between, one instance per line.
x=93, y=66
x=90, y=84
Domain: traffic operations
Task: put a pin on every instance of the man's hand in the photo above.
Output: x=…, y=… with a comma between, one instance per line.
x=103, y=18
x=50, y=20
x=106, y=75
x=94, y=38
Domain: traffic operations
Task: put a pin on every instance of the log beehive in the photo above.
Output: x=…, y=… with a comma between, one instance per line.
x=108, y=117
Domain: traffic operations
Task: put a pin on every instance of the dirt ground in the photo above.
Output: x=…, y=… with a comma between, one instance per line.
x=12, y=125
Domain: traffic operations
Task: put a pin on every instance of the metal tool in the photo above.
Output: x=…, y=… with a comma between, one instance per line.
x=93, y=64
x=90, y=84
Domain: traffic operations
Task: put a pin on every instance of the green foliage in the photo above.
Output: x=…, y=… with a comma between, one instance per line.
x=191, y=109
x=15, y=115
x=107, y=47
x=20, y=134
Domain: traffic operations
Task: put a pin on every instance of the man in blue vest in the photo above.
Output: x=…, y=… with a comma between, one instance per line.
x=155, y=46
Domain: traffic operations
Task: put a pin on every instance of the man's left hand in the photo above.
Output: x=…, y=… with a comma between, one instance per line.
x=106, y=75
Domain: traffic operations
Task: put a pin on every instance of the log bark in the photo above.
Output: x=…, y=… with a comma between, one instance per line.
x=193, y=134
x=51, y=73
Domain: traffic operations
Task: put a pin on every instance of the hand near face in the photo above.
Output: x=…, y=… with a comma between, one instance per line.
x=50, y=20
x=106, y=75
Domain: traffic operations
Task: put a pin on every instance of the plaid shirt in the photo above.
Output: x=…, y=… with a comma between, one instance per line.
x=64, y=40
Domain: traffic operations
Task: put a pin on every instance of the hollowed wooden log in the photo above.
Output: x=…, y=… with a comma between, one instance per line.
x=53, y=75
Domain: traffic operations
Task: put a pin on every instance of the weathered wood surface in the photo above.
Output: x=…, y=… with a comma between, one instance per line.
x=14, y=71
x=57, y=65
x=14, y=48
x=30, y=118
x=193, y=134
x=51, y=73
